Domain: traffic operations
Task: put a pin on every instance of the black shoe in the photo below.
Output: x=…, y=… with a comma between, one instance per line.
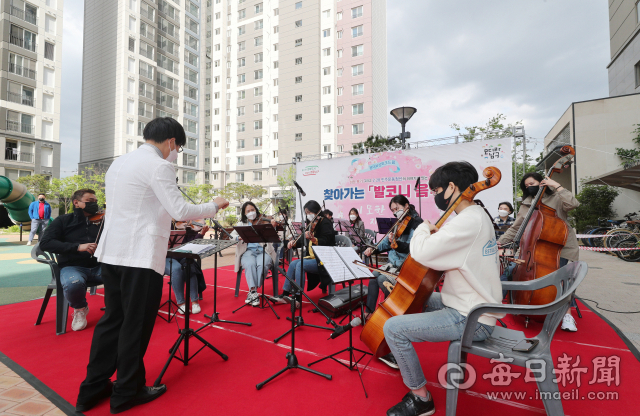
x=412, y=406
x=277, y=299
x=148, y=394
x=88, y=404
x=390, y=360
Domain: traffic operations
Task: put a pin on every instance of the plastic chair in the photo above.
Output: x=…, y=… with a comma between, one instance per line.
x=371, y=234
x=62, y=306
x=502, y=340
x=274, y=274
x=343, y=241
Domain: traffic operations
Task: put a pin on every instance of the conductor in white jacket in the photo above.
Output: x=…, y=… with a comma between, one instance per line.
x=142, y=198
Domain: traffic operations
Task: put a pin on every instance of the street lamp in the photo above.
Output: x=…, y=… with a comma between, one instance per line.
x=402, y=115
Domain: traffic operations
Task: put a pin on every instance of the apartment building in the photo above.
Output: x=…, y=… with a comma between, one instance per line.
x=30, y=78
x=142, y=59
x=624, y=39
x=291, y=79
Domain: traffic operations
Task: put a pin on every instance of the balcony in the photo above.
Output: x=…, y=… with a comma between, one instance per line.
x=21, y=98
x=18, y=41
x=26, y=16
x=147, y=114
x=22, y=71
x=11, y=153
x=21, y=127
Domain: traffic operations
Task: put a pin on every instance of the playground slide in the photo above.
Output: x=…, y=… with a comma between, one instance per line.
x=16, y=200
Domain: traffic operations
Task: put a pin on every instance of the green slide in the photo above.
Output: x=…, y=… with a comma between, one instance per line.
x=16, y=199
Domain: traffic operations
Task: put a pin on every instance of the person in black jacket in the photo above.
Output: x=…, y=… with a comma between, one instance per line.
x=323, y=235
x=72, y=237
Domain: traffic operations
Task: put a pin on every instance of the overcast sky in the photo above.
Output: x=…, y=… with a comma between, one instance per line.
x=456, y=61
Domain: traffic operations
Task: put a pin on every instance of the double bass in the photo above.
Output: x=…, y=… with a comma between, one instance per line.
x=415, y=283
x=541, y=237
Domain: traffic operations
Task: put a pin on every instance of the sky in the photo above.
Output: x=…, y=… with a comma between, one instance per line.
x=456, y=61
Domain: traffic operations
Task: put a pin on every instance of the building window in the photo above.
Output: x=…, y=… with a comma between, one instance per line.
x=326, y=70
x=275, y=47
x=357, y=89
x=356, y=31
x=257, y=74
x=327, y=128
x=298, y=117
x=257, y=125
x=241, y=146
x=276, y=12
x=275, y=137
x=257, y=91
x=49, y=51
x=242, y=14
x=257, y=176
x=340, y=89
x=326, y=148
x=357, y=128
x=258, y=8
x=241, y=46
x=339, y=33
x=132, y=45
x=298, y=136
x=326, y=33
x=339, y=16
x=257, y=57
x=275, y=64
x=240, y=111
x=257, y=108
x=298, y=61
x=326, y=90
x=240, y=127
x=240, y=177
x=298, y=80
x=326, y=109
x=299, y=5
x=357, y=109
x=637, y=68
x=274, y=171
x=275, y=99
x=298, y=23
x=275, y=117
x=258, y=24
x=241, y=96
x=257, y=158
x=326, y=13
x=340, y=110
x=257, y=41
x=339, y=72
x=298, y=42
x=340, y=129
x=257, y=141
x=298, y=98
x=241, y=62
x=357, y=70
x=240, y=159
x=326, y=52
x=357, y=50
x=298, y=155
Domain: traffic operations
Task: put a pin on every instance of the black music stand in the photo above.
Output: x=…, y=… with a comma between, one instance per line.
x=260, y=234
x=385, y=224
x=188, y=332
x=175, y=239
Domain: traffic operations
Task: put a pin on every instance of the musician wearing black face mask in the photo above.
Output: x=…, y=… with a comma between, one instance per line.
x=562, y=201
x=73, y=238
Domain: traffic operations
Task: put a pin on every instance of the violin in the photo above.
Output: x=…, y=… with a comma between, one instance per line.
x=415, y=283
x=97, y=218
x=400, y=226
x=195, y=225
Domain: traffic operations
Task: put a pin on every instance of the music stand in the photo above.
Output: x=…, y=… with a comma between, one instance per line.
x=385, y=224
x=188, y=332
x=175, y=239
x=259, y=234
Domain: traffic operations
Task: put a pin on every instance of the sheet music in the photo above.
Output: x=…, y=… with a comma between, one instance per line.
x=196, y=248
x=338, y=261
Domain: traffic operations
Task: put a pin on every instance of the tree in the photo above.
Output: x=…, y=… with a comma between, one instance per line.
x=287, y=192
x=36, y=184
x=241, y=192
x=630, y=157
x=595, y=202
x=201, y=193
x=63, y=189
x=376, y=143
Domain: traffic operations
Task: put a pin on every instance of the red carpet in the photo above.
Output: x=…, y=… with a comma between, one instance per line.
x=210, y=385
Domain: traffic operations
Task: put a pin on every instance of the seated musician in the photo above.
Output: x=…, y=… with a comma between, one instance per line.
x=323, y=235
x=356, y=222
x=562, y=201
x=465, y=248
x=398, y=205
x=504, y=218
x=249, y=255
x=175, y=269
x=72, y=237
x=328, y=214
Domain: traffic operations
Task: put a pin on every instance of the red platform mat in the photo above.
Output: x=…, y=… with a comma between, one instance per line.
x=210, y=385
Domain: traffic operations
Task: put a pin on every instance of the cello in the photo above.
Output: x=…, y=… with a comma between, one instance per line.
x=415, y=283
x=541, y=237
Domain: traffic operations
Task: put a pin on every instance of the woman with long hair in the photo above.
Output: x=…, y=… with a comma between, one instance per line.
x=562, y=201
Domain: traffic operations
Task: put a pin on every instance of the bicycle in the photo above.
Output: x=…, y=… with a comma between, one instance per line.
x=631, y=241
x=621, y=231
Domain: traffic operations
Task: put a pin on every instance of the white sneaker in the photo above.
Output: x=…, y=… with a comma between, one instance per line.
x=569, y=324
x=181, y=309
x=195, y=307
x=256, y=300
x=29, y=243
x=250, y=297
x=80, y=319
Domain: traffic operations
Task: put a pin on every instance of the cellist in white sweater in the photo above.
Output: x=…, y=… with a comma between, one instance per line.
x=465, y=248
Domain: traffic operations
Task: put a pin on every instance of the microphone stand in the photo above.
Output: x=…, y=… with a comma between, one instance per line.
x=214, y=318
x=417, y=189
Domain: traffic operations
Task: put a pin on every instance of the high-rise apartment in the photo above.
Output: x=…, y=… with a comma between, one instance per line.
x=142, y=59
x=292, y=79
x=30, y=76
x=255, y=83
x=624, y=39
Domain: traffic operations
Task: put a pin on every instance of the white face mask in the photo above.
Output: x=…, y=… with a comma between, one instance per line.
x=173, y=155
x=251, y=215
x=503, y=213
x=310, y=217
x=399, y=213
x=353, y=217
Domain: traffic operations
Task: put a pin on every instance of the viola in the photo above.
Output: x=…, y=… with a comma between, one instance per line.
x=400, y=227
x=97, y=218
x=415, y=283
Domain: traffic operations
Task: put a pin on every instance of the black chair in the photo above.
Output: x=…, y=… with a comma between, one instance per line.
x=62, y=306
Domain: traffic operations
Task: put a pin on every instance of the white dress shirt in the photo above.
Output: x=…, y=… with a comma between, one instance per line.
x=142, y=198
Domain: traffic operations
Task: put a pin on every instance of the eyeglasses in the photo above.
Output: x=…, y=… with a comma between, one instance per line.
x=180, y=149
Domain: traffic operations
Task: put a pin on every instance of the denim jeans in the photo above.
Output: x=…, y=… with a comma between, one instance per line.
x=35, y=228
x=509, y=271
x=178, y=282
x=310, y=266
x=375, y=285
x=439, y=323
x=251, y=262
x=74, y=281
